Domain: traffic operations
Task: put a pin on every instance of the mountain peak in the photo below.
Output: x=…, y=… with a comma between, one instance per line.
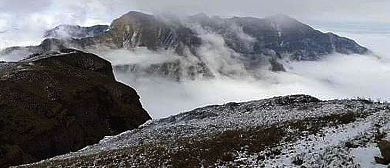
x=132, y=17
x=200, y=16
x=279, y=17
x=136, y=14
x=283, y=20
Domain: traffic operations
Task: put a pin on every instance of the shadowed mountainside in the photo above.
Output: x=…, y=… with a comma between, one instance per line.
x=58, y=102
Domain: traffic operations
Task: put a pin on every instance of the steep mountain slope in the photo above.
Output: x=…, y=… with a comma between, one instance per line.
x=58, y=102
x=287, y=131
x=277, y=34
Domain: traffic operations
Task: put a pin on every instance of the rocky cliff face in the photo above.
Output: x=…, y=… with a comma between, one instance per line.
x=57, y=102
x=277, y=35
x=281, y=35
x=288, y=131
x=136, y=29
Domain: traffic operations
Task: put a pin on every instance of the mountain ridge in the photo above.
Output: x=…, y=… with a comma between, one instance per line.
x=286, y=131
x=249, y=41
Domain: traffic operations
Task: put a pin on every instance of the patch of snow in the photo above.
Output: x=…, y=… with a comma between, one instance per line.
x=365, y=156
x=326, y=148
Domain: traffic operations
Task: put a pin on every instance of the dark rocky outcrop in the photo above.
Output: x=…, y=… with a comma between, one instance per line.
x=58, y=102
x=384, y=147
x=276, y=66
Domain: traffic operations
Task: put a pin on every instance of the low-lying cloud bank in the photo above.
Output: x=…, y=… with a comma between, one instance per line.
x=335, y=76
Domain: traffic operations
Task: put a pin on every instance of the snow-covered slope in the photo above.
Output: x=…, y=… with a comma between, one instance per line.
x=288, y=131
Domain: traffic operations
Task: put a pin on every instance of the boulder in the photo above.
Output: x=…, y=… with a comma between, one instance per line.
x=381, y=160
x=57, y=102
x=276, y=66
x=384, y=147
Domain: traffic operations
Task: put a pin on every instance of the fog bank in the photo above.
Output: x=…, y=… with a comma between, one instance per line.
x=336, y=76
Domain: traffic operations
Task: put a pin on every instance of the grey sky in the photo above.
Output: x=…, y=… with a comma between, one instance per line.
x=335, y=10
x=89, y=11
x=23, y=16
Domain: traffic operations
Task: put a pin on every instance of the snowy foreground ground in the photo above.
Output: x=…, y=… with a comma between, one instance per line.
x=291, y=131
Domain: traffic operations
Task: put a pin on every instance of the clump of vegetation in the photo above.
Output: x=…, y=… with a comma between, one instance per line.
x=208, y=151
x=314, y=125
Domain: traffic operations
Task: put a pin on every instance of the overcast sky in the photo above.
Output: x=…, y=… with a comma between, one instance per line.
x=22, y=23
x=102, y=11
x=37, y=15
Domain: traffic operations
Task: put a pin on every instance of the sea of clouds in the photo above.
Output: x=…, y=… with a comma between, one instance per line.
x=334, y=76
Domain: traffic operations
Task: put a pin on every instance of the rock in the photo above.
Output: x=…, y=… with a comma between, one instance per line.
x=57, y=102
x=350, y=145
x=380, y=160
x=297, y=161
x=295, y=99
x=276, y=66
x=384, y=147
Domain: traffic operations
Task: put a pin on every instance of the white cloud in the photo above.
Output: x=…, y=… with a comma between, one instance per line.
x=335, y=77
